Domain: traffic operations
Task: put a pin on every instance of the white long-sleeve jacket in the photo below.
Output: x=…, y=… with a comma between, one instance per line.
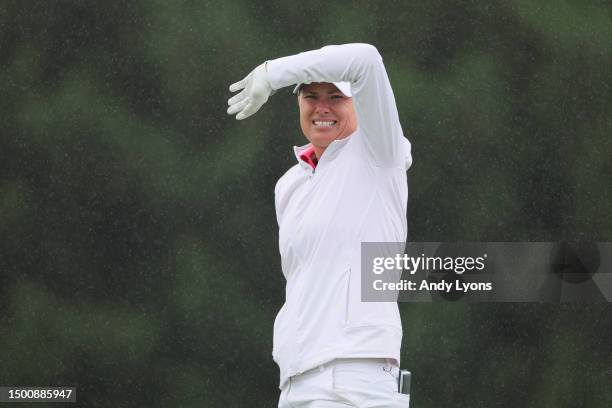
x=358, y=193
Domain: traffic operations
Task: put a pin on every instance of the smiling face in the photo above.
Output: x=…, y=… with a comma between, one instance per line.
x=325, y=115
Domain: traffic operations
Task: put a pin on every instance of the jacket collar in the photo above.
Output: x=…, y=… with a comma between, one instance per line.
x=329, y=154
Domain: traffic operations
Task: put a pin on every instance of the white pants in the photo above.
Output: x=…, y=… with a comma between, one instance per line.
x=355, y=382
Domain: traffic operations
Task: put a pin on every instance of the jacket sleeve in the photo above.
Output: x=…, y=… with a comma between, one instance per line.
x=362, y=66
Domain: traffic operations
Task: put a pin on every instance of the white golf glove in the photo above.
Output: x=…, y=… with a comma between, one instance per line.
x=256, y=91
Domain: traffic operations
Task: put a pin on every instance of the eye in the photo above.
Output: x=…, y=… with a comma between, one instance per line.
x=337, y=97
x=310, y=97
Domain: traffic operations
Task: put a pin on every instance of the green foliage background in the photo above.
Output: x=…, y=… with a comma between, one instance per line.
x=138, y=242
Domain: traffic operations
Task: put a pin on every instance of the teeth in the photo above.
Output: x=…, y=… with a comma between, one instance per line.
x=322, y=123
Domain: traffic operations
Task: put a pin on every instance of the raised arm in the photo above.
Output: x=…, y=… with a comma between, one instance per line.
x=362, y=66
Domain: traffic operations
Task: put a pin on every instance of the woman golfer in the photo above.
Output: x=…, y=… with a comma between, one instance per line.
x=349, y=186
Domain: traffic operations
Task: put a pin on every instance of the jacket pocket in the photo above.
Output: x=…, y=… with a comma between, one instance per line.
x=347, y=295
x=365, y=314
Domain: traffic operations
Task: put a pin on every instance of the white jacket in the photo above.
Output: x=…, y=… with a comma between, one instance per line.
x=358, y=193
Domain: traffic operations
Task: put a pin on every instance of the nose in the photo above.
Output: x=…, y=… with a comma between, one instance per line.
x=322, y=106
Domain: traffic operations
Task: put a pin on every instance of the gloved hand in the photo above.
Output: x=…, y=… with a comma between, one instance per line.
x=256, y=91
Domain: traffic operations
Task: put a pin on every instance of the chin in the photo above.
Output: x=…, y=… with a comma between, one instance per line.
x=322, y=141
x=328, y=135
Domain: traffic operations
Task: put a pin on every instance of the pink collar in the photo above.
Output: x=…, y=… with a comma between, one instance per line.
x=309, y=157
